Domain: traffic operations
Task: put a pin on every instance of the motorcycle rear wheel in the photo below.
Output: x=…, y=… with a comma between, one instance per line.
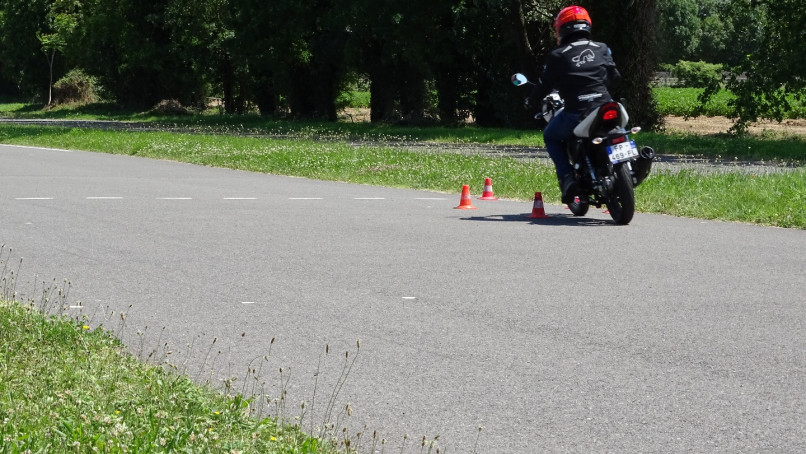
x=622, y=201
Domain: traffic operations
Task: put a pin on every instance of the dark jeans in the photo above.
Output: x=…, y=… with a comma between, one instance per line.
x=556, y=133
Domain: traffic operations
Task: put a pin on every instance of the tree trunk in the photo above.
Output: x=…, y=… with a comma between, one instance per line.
x=50, y=85
x=633, y=51
x=484, y=110
x=447, y=97
x=525, y=57
x=381, y=95
x=301, y=98
x=228, y=83
x=265, y=97
x=412, y=96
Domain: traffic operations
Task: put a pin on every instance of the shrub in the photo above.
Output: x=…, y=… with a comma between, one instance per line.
x=697, y=74
x=169, y=107
x=353, y=99
x=76, y=87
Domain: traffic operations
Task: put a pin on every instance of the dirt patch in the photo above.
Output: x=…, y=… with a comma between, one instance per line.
x=698, y=125
x=720, y=125
x=352, y=115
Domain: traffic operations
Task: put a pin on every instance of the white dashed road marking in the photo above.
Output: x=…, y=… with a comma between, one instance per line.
x=223, y=198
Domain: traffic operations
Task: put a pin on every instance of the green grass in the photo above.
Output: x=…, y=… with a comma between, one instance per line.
x=6, y=108
x=684, y=101
x=771, y=199
x=67, y=388
x=770, y=148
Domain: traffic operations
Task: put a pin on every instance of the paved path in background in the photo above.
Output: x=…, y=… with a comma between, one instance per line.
x=556, y=335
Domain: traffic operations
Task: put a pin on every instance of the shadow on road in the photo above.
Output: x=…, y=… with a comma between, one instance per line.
x=552, y=220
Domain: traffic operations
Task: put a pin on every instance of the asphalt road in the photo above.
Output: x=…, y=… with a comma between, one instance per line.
x=555, y=335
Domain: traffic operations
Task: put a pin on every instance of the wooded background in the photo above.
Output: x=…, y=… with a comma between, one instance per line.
x=423, y=61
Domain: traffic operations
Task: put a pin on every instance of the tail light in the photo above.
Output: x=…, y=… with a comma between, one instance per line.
x=610, y=111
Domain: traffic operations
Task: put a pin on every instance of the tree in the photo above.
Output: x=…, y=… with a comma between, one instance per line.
x=21, y=51
x=262, y=53
x=127, y=45
x=374, y=48
x=300, y=64
x=61, y=21
x=773, y=68
x=707, y=30
x=718, y=42
x=202, y=40
x=679, y=29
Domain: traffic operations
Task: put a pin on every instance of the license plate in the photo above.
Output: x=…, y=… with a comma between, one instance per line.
x=622, y=151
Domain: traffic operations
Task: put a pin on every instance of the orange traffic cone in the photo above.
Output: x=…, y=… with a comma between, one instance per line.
x=538, y=211
x=465, y=203
x=488, y=191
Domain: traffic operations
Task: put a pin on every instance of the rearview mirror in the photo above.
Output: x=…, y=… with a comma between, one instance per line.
x=519, y=79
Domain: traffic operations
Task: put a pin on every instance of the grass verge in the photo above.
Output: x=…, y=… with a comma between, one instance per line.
x=92, y=396
x=770, y=146
x=770, y=199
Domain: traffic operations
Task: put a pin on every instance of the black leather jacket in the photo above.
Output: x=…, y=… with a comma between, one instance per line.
x=581, y=70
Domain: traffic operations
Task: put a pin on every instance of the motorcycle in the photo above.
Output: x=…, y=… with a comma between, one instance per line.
x=607, y=163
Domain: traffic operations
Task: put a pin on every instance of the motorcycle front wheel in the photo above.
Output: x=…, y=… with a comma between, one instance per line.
x=622, y=201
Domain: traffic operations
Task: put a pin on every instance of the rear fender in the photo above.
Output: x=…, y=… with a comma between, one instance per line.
x=592, y=121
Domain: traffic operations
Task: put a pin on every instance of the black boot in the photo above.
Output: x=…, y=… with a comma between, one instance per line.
x=569, y=188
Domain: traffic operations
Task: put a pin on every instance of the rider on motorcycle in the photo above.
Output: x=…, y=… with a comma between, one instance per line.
x=581, y=70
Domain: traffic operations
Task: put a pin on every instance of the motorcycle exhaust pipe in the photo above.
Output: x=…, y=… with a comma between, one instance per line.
x=642, y=165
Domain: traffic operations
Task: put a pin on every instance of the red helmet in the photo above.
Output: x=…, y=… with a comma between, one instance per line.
x=573, y=19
